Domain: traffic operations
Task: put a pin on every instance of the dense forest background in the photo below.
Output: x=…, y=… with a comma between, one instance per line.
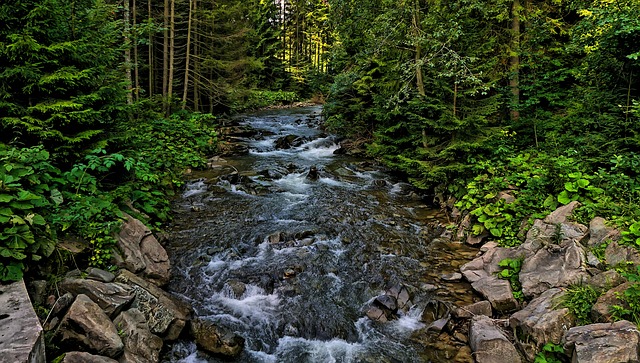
x=103, y=104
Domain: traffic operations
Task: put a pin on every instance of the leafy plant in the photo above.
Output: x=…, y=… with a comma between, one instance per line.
x=579, y=299
x=631, y=296
x=632, y=235
x=551, y=353
x=511, y=271
x=579, y=187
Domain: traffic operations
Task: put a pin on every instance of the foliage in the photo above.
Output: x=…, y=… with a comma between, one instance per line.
x=579, y=299
x=511, y=272
x=631, y=297
x=27, y=194
x=262, y=99
x=551, y=353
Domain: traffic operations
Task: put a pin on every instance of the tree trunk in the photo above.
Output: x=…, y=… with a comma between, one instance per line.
x=187, y=56
x=172, y=54
x=136, y=90
x=196, y=62
x=165, y=55
x=514, y=60
x=127, y=50
x=151, y=72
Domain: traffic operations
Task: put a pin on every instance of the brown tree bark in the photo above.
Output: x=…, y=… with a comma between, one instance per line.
x=187, y=57
x=514, y=60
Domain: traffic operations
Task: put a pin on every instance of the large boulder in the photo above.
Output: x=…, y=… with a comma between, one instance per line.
x=165, y=314
x=480, y=308
x=489, y=343
x=561, y=214
x=142, y=253
x=84, y=357
x=86, y=325
x=606, y=280
x=599, y=232
x=554, y=266
x=601, y=310
x=216, y=339
x=541, y=322
x=603, y=343
x=615, y=254
x=487, y=264
x=140, y=345
x=111, y=297
x=498, y=292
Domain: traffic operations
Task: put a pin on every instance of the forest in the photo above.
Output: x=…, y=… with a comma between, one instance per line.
x=104, y=104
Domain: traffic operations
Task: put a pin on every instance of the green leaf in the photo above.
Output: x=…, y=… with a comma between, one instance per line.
x=497, y=232
x=575, y=175
x=564, y=197
x=571, y=186
x=582, y=183
x=6, y=198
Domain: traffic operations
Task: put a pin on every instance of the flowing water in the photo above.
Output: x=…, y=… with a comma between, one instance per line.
x=292, y=263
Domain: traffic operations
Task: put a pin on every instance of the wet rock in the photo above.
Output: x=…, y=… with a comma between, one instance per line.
x=226, y=148
x=603, y=343
x=387, y=302
x=84, y=357
x=601, y=310
x=436, y=314
x=140, y=345
x=312, y=174
x=480, y=308
x=561, y=214
x=401, y=294
x=86, y=325
x=99, y=275
x=498, y=292
x=142, y=253
x=288, y=141
x=489, y=343
x=111, y=297
x=615, y=254
x=376, y=314
x=452, y=277
x=599, y=232
x=606, y=280
x=236, y=288
x=216, y=339
x=549, y=268
x=165, y=314
x=239, y=131
x=541, y=322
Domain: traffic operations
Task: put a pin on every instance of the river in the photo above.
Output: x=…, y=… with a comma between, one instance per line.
x=292, y=263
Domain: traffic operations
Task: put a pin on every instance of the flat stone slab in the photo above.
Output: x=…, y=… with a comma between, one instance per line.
x=21, y=337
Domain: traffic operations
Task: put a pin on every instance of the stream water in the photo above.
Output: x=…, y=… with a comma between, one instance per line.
x=292, y=263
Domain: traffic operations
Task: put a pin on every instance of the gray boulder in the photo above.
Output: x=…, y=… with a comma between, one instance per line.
x=616, y=254
x=165, y=314
x=487, y=264
x=599, y=232
x=603, y=343
x=561, y=214
x=111, y=297
x=556, y=266
x=140, y=345
x=498, y=292
x=86, y=325
x=100, y=275
x=601, y=310
x=606, y=280
x=489, y=343
x=84, y=357
x=216, y=339
x=480, y=308
x=541, y=322
x=142, y=253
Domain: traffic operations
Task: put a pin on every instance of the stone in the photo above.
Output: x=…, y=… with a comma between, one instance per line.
x=84, y=357
x=573, y=232
x=111, y=297
x=456, y=276
x=216, y=339
x=142, y=253
x=51, y=324
x=616, y=254
x=376, y=314
x=386, y=302
x=487, y=264
x=606, y=280
x=436, y=310
x=99, y=275
x=87, y=326
x=312, y=174
x=21, y=337
x=288, y=141
x=165, y=314
x=506, y=196
x=140, y=345
x=561, y=214
x=38, y=292
x=236, y=288
x=489, y=344
x=539, y=235
x=541, y=322
x=560, y=266
x=599, y=232
x=601, y=310
x=498, y=292
x=480, y=308
x=401, y=294
x=603, y=343
x=62, y=303
x=476, y=240
x=594, y=261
